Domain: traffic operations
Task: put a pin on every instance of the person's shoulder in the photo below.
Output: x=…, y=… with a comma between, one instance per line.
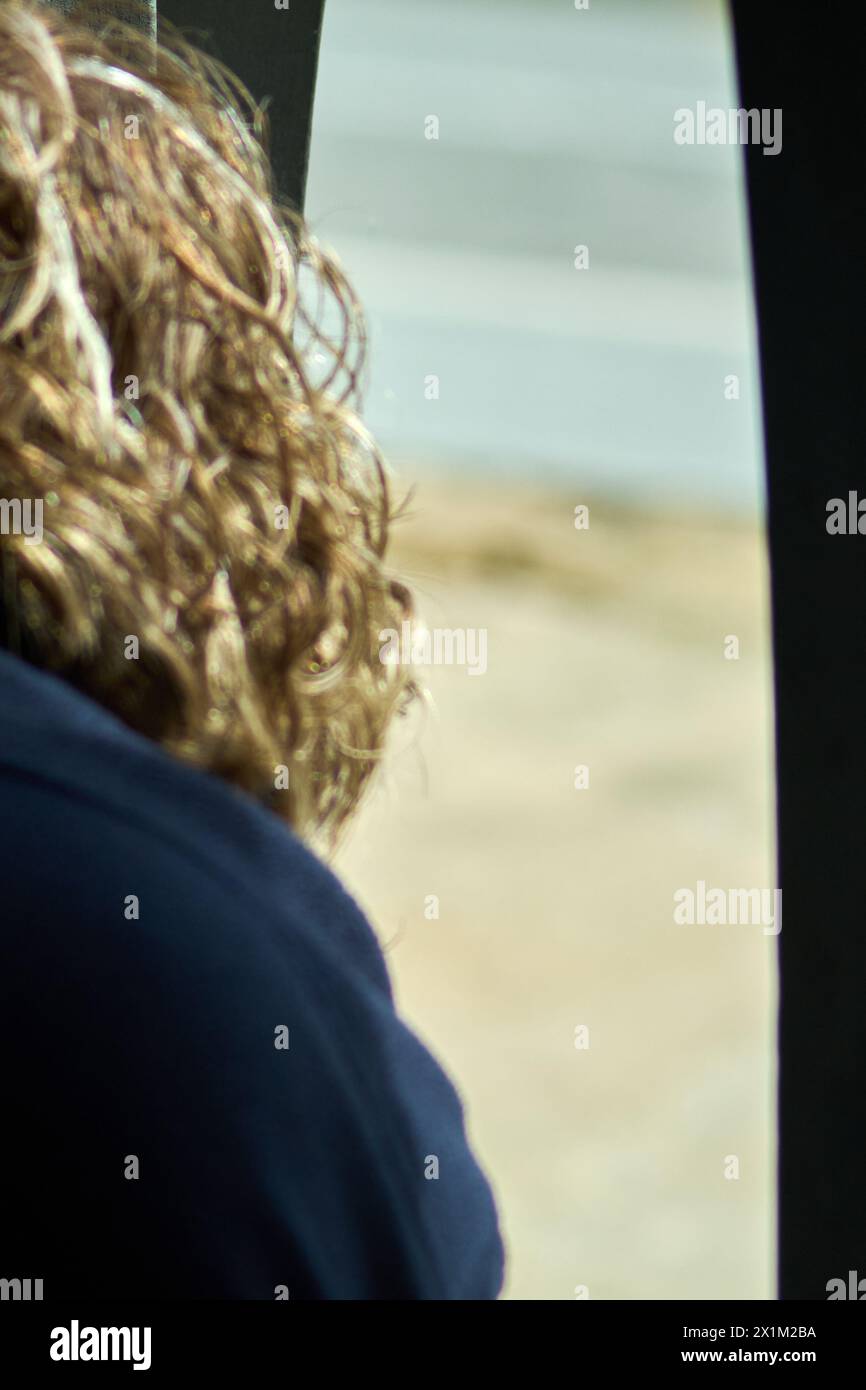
x=103, y=825
x=168, y=942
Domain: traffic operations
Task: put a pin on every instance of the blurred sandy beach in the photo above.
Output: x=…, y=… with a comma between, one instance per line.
x=606, y=648
x=527, y=387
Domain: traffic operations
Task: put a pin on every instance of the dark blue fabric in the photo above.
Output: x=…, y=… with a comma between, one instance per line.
x=258, y=1167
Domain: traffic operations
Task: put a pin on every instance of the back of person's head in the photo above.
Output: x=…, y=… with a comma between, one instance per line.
x=209, y=557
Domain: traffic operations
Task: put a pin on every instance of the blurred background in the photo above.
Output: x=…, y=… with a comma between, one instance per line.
x=462, y=153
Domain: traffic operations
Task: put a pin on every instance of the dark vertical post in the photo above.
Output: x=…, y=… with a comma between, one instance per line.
x=808, y=220
x=275, y=52
x=139, y=12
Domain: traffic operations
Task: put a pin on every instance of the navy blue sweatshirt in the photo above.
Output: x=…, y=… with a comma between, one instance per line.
x=206, y=1091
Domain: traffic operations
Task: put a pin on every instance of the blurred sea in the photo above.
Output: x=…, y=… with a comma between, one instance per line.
x=555, y=130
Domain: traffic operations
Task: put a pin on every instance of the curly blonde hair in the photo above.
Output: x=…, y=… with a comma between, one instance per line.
x=190, y=425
